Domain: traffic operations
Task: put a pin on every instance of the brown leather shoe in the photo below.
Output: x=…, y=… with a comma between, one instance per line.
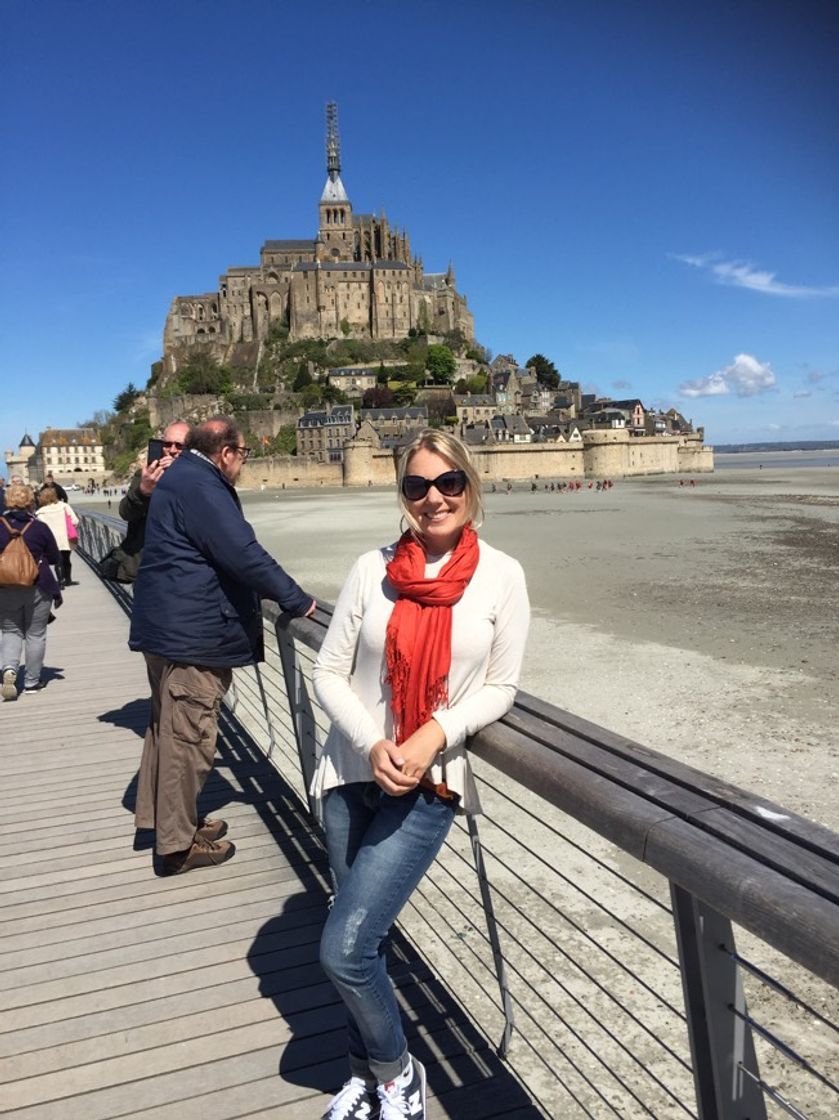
x=203, y=853
x=211, y=830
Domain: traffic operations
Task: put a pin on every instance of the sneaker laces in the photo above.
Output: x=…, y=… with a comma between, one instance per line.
x=394, y=1101
x=343, y=1104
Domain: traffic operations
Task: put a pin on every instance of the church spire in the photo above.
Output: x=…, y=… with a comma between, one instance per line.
x=334, y=189
x=333, y=142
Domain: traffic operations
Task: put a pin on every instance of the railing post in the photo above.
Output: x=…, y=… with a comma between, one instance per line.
x=300, y=708
x=721, y=1042
x=494, y=940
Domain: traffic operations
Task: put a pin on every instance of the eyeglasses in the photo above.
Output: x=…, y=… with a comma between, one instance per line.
x=173, y=443
x=243, y=451
x=450, y=484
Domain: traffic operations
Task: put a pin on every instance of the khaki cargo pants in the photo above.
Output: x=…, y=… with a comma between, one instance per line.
x=179, y=749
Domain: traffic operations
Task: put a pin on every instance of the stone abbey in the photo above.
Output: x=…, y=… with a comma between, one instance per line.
x=356, y=278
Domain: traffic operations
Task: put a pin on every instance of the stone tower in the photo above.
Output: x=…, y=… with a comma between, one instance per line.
x=336, y=232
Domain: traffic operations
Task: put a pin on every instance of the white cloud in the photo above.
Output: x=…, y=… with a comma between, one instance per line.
x=742, y=274
x=745, y=377
x=803, y=393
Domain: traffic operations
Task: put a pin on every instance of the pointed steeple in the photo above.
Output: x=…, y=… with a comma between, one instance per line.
x=334, y=189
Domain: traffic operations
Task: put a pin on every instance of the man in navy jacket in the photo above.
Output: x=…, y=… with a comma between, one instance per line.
x=196, y=614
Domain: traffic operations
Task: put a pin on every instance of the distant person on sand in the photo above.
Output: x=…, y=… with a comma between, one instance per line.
x=424, y=649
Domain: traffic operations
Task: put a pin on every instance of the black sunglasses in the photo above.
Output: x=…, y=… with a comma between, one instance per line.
x=450, y=484
x=173, y=443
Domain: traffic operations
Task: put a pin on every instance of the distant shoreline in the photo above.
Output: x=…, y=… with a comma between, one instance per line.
x=774, y=448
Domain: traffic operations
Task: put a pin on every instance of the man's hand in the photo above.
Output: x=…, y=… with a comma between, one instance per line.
x=151, y=474
x=311, y=609
x=386, y=761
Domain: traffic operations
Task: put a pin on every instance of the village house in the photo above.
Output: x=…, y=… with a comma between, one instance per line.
x=321, y=434
x=391, y=424
x=352, y=380
x=476, y=407
x=70, y=454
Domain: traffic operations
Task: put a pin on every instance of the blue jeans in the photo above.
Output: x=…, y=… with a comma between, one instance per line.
x=379, y=848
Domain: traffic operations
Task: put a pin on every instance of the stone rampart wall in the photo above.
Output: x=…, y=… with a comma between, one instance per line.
x=609, y=455
x=290, y=471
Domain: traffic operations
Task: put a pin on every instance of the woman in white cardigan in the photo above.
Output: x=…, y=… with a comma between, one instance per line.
x=55, y=513
x=424, y=649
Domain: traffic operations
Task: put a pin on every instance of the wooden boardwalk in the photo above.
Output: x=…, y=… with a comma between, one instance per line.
x=127, y=995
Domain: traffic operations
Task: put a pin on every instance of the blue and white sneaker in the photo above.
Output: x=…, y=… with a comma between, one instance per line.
x=404, y=1097
x=356, y=1101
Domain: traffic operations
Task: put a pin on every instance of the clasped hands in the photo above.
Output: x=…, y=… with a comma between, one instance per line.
x=398, y=769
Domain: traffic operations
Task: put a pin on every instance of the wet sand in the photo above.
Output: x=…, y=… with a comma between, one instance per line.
x=697, y=620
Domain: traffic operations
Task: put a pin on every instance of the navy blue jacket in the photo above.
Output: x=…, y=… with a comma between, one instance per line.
x=198, y=590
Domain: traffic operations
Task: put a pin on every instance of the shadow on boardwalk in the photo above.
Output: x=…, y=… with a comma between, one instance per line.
x=464, y=1074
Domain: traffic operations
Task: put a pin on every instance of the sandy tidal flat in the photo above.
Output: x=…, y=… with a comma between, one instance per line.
x=697, y=620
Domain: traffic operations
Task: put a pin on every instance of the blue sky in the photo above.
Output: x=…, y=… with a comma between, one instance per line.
x=644, y=192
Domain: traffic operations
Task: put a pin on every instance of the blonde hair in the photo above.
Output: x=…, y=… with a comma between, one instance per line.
x=19, y=496
x=47, y=496
x=454, y=451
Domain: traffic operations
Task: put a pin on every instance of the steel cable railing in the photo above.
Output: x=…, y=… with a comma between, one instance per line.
x=597, y=975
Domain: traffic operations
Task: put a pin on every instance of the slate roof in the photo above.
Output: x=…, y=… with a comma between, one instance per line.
x=63, y=437
x=407, y=412
x=474, y=400
x=290, y=246
x=340, y=416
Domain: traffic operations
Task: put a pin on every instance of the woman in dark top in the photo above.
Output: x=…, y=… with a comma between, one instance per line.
x=25, y=611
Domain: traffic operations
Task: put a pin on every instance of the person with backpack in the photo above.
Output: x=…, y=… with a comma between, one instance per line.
x=28, y=590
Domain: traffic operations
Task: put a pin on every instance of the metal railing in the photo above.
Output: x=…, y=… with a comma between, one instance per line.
x=618, y=878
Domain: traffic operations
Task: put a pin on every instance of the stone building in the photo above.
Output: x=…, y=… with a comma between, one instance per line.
x=478, y=406
x=352, y=380
x=392, y=424
x=70, y=455
x=17, y=465
x=321, y=434
x=356, y=278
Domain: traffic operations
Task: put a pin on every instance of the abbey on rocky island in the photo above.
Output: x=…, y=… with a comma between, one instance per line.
x=356, y=278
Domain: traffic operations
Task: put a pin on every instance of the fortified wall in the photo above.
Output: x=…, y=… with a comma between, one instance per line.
x=263, y=422
x=607, y=454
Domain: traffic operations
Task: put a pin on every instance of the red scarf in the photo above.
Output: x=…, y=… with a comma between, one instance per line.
x=418, y=644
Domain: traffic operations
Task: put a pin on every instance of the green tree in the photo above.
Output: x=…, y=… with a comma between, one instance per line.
x=311, y=395
x=202, y=374
x=285, y=441
x=380, y=397
x=546, y=372
x=440, y=364
x=331, y=393
x=477, y=384
x=124, y=400
x=303, y=378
